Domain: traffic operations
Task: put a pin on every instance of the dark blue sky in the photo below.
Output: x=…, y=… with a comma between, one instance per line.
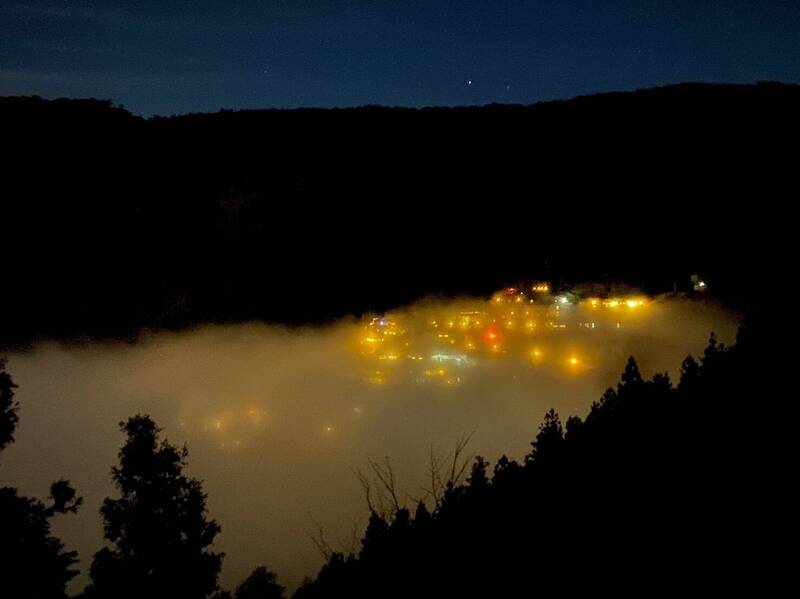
x=165, y=57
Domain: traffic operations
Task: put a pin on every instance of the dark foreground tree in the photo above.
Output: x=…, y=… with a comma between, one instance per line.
x=261, y=584
x=33, y=563
x=158, y=529
x=8, y=407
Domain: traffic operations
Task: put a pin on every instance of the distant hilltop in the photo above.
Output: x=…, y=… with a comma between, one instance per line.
x=710, y=92
x=116, y=222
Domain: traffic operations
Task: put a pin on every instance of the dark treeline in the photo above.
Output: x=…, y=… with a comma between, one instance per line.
x=118, y=222
x=661, y=489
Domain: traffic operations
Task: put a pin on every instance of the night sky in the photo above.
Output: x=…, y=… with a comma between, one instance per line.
x=168, y=57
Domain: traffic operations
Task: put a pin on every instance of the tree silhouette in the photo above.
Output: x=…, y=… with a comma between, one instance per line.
x=33, y=563
x=631, y=377
x=261, y=584
x=8, y=407
x=158, y=530
x=478, y=480
x=652, y=491
x=548, y=440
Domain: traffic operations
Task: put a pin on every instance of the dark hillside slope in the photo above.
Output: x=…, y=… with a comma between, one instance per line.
x=113, y=222
x=660, y=490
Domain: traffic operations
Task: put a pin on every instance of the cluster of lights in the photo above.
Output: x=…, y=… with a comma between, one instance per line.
x=438, y=345
x=618, y=302
x=415, y=345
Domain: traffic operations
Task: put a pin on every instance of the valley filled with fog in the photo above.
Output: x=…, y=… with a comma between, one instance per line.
x=277, y=420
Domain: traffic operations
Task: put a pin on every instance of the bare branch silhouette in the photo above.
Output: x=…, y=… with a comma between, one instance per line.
x=317, y=537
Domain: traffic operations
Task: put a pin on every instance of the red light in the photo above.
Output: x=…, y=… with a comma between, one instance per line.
x=491, y=336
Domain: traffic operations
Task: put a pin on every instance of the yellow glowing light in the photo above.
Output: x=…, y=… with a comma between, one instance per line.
x=479, y=329
x=377, y=378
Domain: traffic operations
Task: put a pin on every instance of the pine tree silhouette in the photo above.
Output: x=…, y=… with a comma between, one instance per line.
x=158, y=530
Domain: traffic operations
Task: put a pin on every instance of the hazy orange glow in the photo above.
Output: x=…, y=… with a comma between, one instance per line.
x=276, y=419
x=426, y=332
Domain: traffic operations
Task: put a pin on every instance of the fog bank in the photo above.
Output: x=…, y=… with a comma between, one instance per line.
x=276, y=420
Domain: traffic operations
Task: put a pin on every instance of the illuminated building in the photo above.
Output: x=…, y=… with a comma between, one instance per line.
x=540, y=287
x=442, y=343
x=698, y=284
